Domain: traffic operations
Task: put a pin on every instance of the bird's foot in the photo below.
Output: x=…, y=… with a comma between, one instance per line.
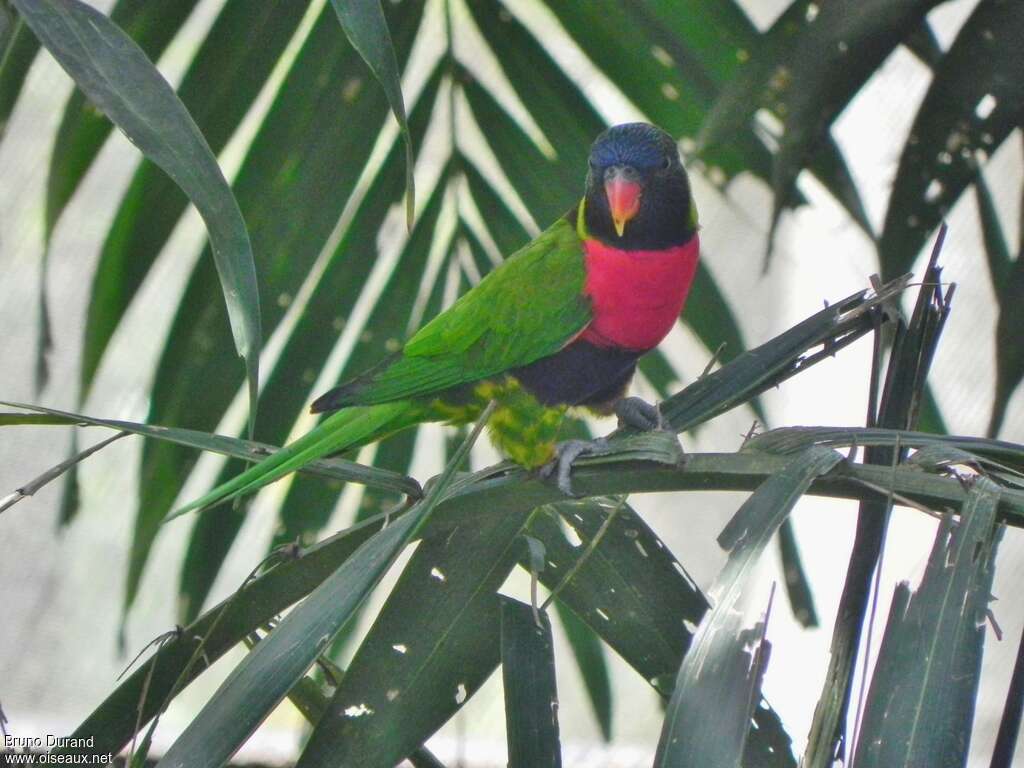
x=565, y=454
x=639, y=414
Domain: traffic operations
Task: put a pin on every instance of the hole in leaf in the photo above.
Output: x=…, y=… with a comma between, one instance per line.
x=986, y=106
x=358, y=710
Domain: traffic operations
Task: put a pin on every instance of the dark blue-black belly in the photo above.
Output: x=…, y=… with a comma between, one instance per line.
x=581, y=373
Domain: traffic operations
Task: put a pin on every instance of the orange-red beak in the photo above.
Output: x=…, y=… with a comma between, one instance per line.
x=623, y=191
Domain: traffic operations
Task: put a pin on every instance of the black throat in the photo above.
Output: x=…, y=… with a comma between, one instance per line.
x=664, y=218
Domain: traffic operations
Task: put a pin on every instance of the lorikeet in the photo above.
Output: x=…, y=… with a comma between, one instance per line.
x=561, y=323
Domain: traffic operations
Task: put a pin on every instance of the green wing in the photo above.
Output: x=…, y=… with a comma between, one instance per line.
x=528, y=308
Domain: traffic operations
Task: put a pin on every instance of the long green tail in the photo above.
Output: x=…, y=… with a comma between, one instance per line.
x=349, y=428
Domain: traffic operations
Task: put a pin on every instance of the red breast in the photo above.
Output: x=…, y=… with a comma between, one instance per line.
x=636, y=296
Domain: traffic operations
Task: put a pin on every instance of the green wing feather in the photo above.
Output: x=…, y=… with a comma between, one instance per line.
x=528, y=308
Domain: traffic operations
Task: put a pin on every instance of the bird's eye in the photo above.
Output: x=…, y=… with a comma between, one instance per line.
x=666, y=164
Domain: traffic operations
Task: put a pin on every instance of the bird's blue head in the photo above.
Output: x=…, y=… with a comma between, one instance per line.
x=637, y=178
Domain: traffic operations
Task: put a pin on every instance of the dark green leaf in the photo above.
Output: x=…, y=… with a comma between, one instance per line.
x=82, y=129
x=299, y=524
x=283, y=171
x=8, y=27
x=507, y=489
x=728, y=64
x=266, y=675
x=765, y=59
x=794, y=439
x=286, y=390
x=755, y=522
x=913, y=345
x=633, y=593
x=709, y=316
x=997, y=250
x=930, y=418
x=312, y=702
x=709, y=716
x=1008, y=280
x=218, y=89
x=15, y=61
x=775, y=361
x=507, y=232
x=499, y=491
x=652, y=55
x=1009, y=355
x=336, y=432
x=307, y=697
x=223, y=627
x=630, y=589
x=713, y=50
x=923, y=44
x=920, y=707
x=757, y=81
x=367, y=30
x=659, y=372
x=548, y=185
x=118, y=78
x=34, y=419
x=973, y=103
x=335, y=469
x=798, y=589
x=718, y=684
x=937, y=457
x=1009, y=721
x=531, y=697
x=589, y=655
x=834, y=57
x=433, y=645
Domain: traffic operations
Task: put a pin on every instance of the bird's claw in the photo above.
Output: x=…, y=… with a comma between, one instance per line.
x=639, y=414
x=565, y=454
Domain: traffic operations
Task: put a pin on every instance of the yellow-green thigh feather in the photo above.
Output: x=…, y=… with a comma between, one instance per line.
x=521, y=428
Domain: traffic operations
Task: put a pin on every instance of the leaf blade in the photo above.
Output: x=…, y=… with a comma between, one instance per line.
x=434, y=643
x=15, y=61
x=1007, y=274
x=283, y=170
x=634, y=594
x=939, y=161
x=218, y=89
x=82, y=131
x=118, y=77
x=338, y=469
x=266, y=675
x=285, y=392
x=833, y=58
x=707, y=723
x=367, y=30
x=255, y=687
x=921, y=702
x=531, y=697
x=590, y=659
